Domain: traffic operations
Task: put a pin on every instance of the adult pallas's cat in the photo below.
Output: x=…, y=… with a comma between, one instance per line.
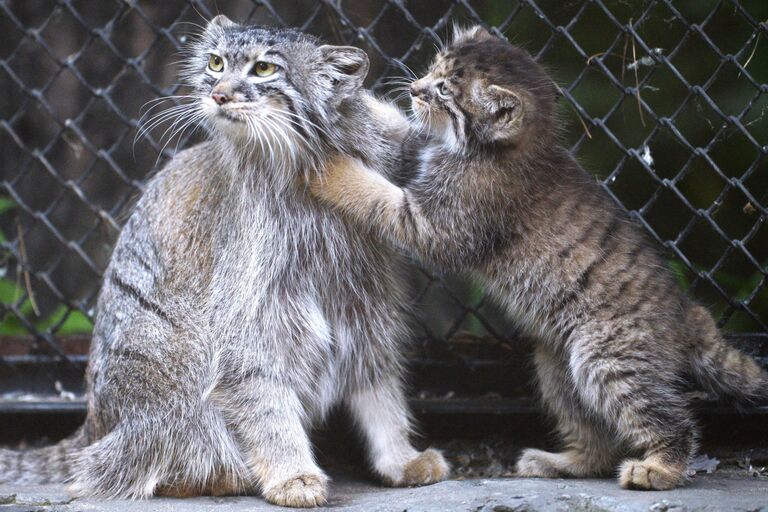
x=236, y=311
x=496, y=195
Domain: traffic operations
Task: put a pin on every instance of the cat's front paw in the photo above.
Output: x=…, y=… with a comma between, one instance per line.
x=303, y=491
x=536, y=464
x=426, y=468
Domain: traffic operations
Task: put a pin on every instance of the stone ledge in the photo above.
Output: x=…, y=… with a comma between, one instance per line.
x=722, y=491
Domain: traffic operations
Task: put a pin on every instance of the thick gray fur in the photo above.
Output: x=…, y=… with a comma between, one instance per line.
x=236, y=311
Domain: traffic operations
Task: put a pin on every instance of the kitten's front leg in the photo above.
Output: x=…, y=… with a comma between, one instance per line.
x=381, y=413
x=347, y=184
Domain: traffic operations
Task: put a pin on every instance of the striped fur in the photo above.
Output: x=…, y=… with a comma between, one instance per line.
x=497, y=197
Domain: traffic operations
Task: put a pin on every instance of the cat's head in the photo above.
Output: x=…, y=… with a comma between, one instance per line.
x=481, y=90
x=270, y=88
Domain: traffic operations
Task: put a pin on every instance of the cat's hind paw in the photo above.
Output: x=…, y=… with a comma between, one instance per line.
x=650, y=475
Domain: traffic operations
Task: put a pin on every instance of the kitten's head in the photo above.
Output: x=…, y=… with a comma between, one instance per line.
x=481, y=90
x=270, y=88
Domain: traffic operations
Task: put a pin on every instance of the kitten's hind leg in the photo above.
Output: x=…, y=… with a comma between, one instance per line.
x=380, y=411
x=635, y=393
x=588, y=449
x=661, y=428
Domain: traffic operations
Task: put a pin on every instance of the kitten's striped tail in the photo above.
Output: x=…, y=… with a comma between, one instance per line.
x=47, y=465
x=720, y=368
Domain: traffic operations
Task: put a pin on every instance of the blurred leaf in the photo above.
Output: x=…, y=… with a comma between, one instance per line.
x=9, y=292
x=6, y=204
x=74, y=322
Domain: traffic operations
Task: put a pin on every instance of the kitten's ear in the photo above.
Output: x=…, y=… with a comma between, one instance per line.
x=505, y=108
x=476, y=33
x=221, y=21
x=348, y=67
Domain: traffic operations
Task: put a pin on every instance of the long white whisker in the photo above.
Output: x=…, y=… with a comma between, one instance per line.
x=264, y=137
x=270, y=128
x=178, y=112
x=193, y=122
x=284, y=128
x=291, y=124
x=158, y=118
x=302, y=119
x=167, y=98
x=194, y=117
x=180, y=119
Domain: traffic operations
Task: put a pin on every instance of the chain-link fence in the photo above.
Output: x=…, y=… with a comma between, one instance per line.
x=664, y=101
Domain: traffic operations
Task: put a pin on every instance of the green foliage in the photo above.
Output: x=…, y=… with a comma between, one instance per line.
x=5, y=205
x=62, y=320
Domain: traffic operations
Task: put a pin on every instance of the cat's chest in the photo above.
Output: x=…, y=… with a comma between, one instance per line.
x=290, y=245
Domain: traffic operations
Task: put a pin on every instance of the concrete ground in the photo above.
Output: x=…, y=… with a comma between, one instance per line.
x=724, y=490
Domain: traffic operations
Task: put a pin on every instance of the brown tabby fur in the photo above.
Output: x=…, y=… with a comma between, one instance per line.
x=496, y=195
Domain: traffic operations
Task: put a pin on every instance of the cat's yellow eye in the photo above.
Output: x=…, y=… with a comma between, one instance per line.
x=263, y=69
x=215, y=63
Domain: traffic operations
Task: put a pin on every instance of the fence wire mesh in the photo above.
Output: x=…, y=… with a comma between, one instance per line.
x=665, y=102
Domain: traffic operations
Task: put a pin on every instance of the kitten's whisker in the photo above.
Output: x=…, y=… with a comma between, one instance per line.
x=397, y=90
x=399, y=80
x=196, y=25
x=401, y=96
x=405, y=66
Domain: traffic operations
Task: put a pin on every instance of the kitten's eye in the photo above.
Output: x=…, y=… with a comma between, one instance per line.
x=263, y=69
x=442, y=89
x=215, y=63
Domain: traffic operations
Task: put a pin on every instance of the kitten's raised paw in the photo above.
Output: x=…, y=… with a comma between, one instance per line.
x=648, y=475
x=305, y=490
x=428, y=467
x=536, y=464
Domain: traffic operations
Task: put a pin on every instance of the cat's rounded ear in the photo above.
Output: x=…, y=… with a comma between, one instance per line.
x=221, y=21
x=347, y=67
x=505, y=109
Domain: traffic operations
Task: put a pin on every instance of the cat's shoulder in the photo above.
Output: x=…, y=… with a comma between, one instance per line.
x=192, y=160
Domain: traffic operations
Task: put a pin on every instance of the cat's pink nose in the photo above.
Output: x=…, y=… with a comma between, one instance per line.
x=416, y=90
x=221, y=98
